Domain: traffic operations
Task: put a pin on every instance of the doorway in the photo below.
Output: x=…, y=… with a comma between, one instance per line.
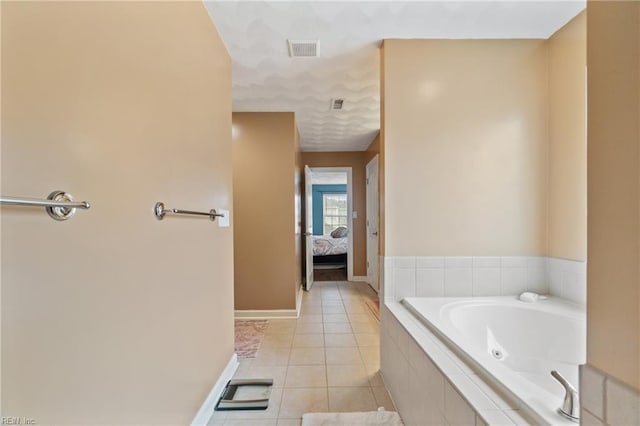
x=329, y=224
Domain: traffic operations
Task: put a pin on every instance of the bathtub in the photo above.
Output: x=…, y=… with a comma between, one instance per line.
x=513, y=344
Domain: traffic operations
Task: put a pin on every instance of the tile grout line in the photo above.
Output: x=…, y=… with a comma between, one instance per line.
x=359, y=298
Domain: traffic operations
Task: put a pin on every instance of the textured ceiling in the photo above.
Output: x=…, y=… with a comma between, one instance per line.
x=265, y=78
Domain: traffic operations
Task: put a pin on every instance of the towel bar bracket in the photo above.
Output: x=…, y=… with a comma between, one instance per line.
x=59, y=212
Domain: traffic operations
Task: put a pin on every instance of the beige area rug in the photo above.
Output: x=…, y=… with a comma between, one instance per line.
x=249, y=335
x=369, y=418
x=374, y=306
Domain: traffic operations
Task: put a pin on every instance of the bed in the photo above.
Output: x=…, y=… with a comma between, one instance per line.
x=328, y=250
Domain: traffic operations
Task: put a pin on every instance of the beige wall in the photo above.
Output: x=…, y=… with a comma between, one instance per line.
x=114, y=317
x=373, y=149
x=567, y=141
x=465, y=147
x=266, y=234
x=355, y=160
x=613, y=287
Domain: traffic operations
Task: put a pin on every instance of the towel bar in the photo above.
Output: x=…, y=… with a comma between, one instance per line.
x=160, y=211
x=59, y=204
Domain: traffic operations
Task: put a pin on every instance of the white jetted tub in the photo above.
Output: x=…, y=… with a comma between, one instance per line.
x=516, y=344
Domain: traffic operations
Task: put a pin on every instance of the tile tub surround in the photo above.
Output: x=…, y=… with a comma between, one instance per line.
x=430, y=385
x=606, y=401
x=462, y=276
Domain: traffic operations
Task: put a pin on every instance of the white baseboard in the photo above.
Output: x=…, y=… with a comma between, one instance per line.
x=266, y=314
x=209, y=405
x=359, y=278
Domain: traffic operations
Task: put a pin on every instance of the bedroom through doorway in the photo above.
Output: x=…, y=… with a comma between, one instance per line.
x=330, y=223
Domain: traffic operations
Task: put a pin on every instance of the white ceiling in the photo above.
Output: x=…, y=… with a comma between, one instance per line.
x=265, y=78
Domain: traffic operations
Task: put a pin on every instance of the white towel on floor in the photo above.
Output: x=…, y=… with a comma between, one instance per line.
x=369, y=418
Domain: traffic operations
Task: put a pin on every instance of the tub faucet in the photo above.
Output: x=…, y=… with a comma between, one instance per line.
x=571, y=405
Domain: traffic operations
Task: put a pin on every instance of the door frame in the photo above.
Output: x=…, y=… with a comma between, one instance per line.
x=349, y=172
x=307, y=235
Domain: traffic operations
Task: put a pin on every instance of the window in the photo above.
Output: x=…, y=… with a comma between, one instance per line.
x=334, y=212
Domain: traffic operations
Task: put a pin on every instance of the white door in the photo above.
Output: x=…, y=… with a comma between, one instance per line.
x=308, y=226
x=372, y=223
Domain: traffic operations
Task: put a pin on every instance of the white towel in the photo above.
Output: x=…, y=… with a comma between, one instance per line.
x=369, y=418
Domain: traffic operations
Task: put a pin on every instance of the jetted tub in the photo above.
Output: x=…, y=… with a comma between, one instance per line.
x=514, y=343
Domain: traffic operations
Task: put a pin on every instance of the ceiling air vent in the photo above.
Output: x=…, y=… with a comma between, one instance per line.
x=304, y=48
x=337, y=103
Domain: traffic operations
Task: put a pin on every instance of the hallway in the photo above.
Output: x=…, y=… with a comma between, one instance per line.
x=326, y=360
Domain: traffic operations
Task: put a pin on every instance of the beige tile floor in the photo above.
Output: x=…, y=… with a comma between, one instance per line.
x=326, y=360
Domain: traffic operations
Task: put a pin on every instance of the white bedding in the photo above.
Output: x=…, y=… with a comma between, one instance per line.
x=324, y=245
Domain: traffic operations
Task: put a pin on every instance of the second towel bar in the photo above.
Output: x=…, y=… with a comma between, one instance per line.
x=160, y=211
